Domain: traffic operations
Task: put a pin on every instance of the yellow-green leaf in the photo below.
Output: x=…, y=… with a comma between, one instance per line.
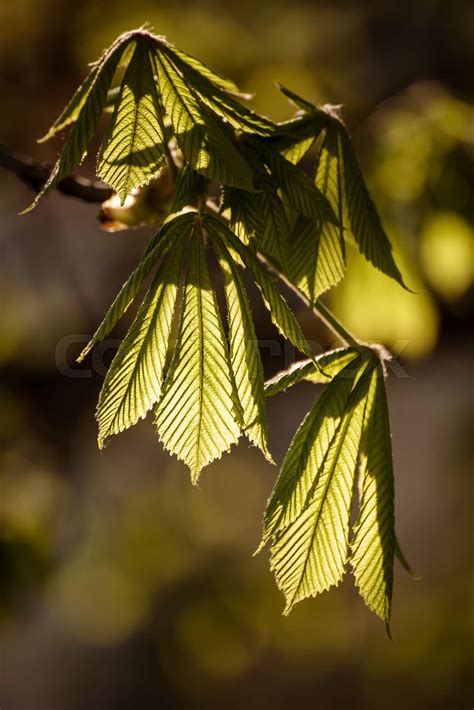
x=196, y=416
x=204, y=144
x=156, y=248
x=328, y=366
x=132, y=152
x=133, y=383
x=308, y=515
x=244, y=353
x=281, y=315
x=91, y=103
x=373, y=545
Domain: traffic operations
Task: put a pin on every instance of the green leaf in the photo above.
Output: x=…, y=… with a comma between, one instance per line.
x=329, y=181
x=132, y=152
x=296, y=100
x=296, y=151
x=317, y=255
x=245, y=216
x=308, y=515
x=404, y=562
x=345, y=186
x=302, y=194
x=196, y=416
x=280, y=314
x=364, y=219
x=296, y=136
x=373, y=545
x=316, y=260
x=272, y=230
x=239, y=116
x=133, y=383
x=71, y=112
x=188, y=187
x=260, y=216
x=199, y=67
x=244, y=353
x=328, y=366
x=204, y=144
x=75, y=147
x=157, y=247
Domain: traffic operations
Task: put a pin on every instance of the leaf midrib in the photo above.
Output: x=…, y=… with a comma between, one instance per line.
x=348, y=418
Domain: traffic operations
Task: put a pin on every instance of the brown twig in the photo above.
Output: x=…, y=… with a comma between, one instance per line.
x=34, y=175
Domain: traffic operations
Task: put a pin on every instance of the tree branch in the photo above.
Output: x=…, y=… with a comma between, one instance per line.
x=34, y=175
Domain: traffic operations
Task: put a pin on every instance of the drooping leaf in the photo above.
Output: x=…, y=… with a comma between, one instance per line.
x=330, y=364
x=308, y=515
x=296, y=136
x=133, y=382
x=157, y=247
x=204, y=144
x=71, y=112
x=220, y=101
x=404, y=562
x=132, y=152
x=281, y=315
x=303, y=195
x=373, y=545
x=316, y=260
x=83, y=129
x=273, y=229
x=261, y=215
x=329, y=180
x=196, y=417
x=244, y=353
x=199, y=67
x=297, y=150
x=364, y=220
x=316, y=254
x=188, y=187
x=245, y=214
x=346, y=186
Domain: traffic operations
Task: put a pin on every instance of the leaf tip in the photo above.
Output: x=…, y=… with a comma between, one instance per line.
x=404, y=562
x=195, y=475
x=30, y=208
x=47, y=136
x=262, y=544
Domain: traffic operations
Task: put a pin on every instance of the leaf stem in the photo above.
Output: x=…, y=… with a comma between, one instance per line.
x=319, y=309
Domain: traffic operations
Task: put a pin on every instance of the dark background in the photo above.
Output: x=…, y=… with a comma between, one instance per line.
x=123, y=586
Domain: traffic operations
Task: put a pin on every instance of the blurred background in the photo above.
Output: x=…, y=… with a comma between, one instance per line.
x=121, y=585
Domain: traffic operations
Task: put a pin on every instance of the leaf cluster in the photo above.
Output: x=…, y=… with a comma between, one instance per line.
x=291, y=196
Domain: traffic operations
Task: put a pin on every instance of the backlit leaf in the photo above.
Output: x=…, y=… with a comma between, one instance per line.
x=308, y=515
x=75, y=147
x=196, y=417
x=329, y=365
x=133, y=382
x=281, y=315
x=244, y=353
x=157, y=247
x=203, y=142
x=132, y=152
x=373, y=545
x=364, y=220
